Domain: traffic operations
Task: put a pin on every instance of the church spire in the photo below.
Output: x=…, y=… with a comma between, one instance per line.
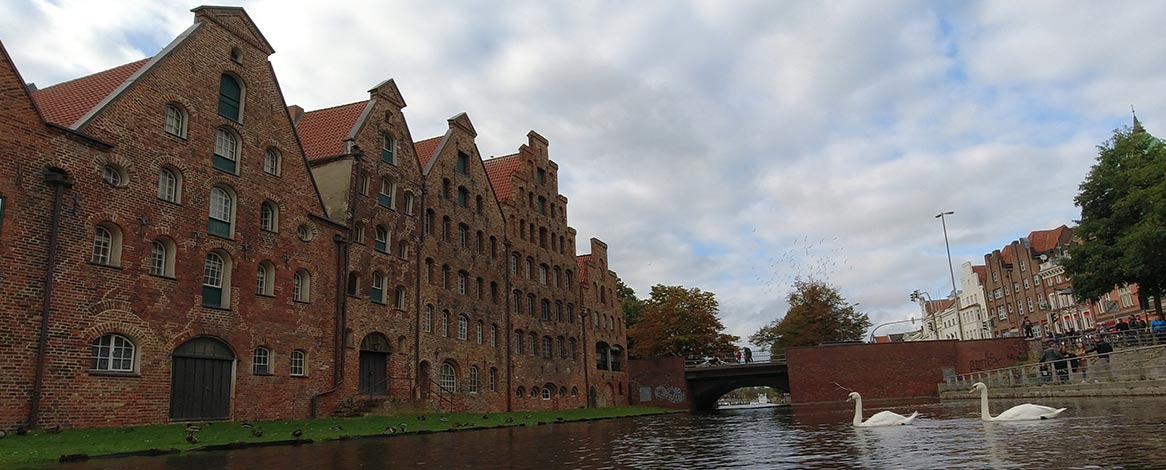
x=1137, y=124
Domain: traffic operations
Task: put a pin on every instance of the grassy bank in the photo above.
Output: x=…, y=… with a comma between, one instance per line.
x=42, y=447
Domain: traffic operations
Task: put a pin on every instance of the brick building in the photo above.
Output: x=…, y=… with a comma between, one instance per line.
x=219, y=255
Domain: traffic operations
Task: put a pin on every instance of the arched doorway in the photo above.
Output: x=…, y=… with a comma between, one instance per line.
x=201, y=377
x=423, y=378
x=592, y=398
x=374, y=364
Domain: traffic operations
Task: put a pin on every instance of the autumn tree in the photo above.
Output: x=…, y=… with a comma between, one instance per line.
x=680, y=322
x=1122, y=232
x=817, y=313
x=632, y=307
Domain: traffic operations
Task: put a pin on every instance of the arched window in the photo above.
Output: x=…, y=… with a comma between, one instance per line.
x=261, y=361
x=106, y=245
x=520, y=392
x=175, y=121
x=170, y=185
x=542, y=274
x=463, y=236
x=403, y=249
x=427, y=319
x=378, y=287
x=353, y=283
x=408, y=203
x=463, y=196
x=533, y=343
x=519, y=341
x=216, y=280
x=472, y=387
x=517, y=301
x=478, y=204
x=562, y=347
x=514, y=264
x=493, y=381
x=463, y=327
x=448, y=378
x=574, y=392
x=548, y=353
x=114, y=175
x=530, y=305
x=382, y=239
x=558, y=310
x=546, y=392
x=570, y=279
x=272, y=162
x=298, y=362
x=400, y=298
x=481, y=290
x=445, y=228
x=570, y=313
x=445, y=191
x=363, y=184
x=463, y=163
x=428, y=222
x=493, y=335
x=388, y=145
x=388, y=189
x=112, y=353
x=269, y=217
x=230, y=97
x=265, y=279
x=162, y=257
x=463, y=278
x=545, y=310
x=562, y=392
x=302, y=286
x=445, y=324
x=480, y=334
x=226, y=151
x=571, y=348
x=222, y=213
x=358, y=233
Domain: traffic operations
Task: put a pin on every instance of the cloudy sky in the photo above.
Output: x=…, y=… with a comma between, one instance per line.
x=725, y=145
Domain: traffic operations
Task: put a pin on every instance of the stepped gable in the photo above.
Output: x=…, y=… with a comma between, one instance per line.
x=501, y=171
x=583, y=260
x=65, y=103
x=323, y=131
x=426, y=149
x=982, y=273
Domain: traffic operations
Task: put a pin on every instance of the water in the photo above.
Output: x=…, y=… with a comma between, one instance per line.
x=1093, y=433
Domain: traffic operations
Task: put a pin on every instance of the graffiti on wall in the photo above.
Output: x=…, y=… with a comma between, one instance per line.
x=671, y=394
x=991, y=360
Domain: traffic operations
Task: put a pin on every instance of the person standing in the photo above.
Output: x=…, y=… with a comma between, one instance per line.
x=1158, y=329
x=748, y=356
x=1081, y=361
x=738, y=356
x=1048, y=359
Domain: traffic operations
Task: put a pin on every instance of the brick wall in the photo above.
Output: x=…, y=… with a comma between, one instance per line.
x=892, y=370
x=660, y=380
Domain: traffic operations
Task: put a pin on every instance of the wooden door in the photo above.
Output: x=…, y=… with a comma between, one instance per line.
x=201, y=377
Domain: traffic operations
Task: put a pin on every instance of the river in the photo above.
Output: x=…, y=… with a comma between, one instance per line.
x=1094, y=433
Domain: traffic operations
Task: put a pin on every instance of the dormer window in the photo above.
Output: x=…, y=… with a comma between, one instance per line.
x=230, y=97
x=387, y=147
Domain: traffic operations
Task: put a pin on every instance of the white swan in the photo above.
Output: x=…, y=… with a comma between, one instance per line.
x=1025, y=412
x=882, y=418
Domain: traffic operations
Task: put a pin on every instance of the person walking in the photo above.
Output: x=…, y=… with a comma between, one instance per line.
x=1048, y=359
x=748, y=356
x=1102, y=348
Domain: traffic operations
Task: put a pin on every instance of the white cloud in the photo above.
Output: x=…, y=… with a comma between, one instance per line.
x=730, y=146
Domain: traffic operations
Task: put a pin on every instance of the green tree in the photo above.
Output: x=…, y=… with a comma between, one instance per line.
x=632, y=307
x=1122, y=232
x=680, y=322
x=817, y=313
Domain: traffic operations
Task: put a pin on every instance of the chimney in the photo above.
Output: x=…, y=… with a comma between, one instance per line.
x=31, y=86
x=296, y=112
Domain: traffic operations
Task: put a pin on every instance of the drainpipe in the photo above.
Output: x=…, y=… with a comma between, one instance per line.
x=416, y=389
x=509, y=325
x=59, y=181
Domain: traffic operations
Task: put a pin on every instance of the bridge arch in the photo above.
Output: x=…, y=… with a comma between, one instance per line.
x=707, y=385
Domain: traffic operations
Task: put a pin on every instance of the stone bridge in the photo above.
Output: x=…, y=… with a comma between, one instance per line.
x=706, y=384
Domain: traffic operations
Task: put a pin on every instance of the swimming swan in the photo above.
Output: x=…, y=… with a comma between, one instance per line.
x=882, y=418
x=1025, y=412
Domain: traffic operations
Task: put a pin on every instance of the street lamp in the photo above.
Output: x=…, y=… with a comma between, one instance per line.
x=955, y=292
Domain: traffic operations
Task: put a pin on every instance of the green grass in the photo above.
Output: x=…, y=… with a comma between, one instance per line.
x=41, y=447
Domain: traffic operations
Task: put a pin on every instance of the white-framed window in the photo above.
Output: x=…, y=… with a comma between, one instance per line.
x=363, y=184
x=448, y=378
x=463, y=236
x=472, y=387
x=358, y=233
x=226, y=151
x=462, y=280
x=112, y=353
x=381, y=242
x=114, y=175
x=444, y=324
x=272, y=162
x=162, y=253
x=265, y=279
x=106, y=245
x=494, y=335
x=216, y=284
x=480, y=334
x=175, y=121
x=493, y=379
x=388, y=146
x=301, y=286
x=169, y=185
x=463, y=326
x=571, y=347
x=222, y=213
x=542, y=274
x=548, y=352
x=427, y=319
x=261, y=361
x=298, y=362
x=377, y=289
x=403, y=249
x=269, y=217
x=546, y=393
x=408, y=203
x=400, y=298
x=388, y=189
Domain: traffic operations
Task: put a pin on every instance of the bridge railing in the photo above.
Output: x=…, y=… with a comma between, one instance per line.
x=759, y=357
x=1130, y=363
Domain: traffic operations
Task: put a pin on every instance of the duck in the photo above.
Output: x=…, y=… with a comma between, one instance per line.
x=1022, y=412
x=257, y=432
x=298, y=433
x=54, y=429
x=3, y=434
x=389, y=430
x=192, y=428
x=335, y=428
x=191, y=438
x=882, y=418
x=246, y=424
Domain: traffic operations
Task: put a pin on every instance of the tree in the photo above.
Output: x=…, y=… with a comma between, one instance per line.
x=1121, y=237
x=817, y=313
x=632, y=306
x=680, y=322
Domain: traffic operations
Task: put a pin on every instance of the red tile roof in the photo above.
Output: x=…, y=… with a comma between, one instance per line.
x=501, y=171
x=1006, y=254
x=64, y=103
x=582, y=260
x=982, y=273
x=1046, y=240
x=937, y=306
x=323, y=131
x=426, y=148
